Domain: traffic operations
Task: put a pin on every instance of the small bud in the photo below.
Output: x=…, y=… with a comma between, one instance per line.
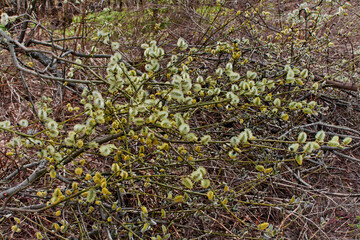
x=302, y=137
x=178, y=198
x=346, y=140
x=210, y=195
x=260, y=168
x=205, y=139
x=205, y=183
x=293, y=147
x=263, y=226
x=184, y=128
x=299, y=159
x=187, y=183
x=23, y=123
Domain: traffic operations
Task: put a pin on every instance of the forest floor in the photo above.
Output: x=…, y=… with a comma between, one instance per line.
x=327, y=186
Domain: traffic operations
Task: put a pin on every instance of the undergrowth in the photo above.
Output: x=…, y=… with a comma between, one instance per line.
x=178, y=121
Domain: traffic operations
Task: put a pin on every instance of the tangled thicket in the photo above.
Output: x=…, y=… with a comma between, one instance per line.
x=210, y=120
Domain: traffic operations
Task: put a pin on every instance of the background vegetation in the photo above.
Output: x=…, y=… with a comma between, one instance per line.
x=179, y=120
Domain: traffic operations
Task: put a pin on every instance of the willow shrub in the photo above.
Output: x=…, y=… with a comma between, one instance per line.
x=156, y=136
